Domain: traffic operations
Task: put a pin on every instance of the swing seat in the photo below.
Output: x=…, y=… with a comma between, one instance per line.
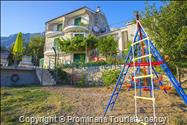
x=165, y=87
x=145, y=89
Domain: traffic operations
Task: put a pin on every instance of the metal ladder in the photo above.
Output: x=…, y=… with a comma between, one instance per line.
x=119, y=82
x=149, y=75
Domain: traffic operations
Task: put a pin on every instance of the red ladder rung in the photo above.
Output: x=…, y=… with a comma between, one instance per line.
x=146, y=63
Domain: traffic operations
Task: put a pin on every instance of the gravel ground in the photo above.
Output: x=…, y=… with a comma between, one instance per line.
x=92, y=102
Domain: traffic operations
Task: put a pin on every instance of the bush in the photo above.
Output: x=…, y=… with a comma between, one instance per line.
x=62, y=76
x=110, y=77
x=125, y=51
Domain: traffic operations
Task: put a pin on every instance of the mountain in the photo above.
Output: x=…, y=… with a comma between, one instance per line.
x=7, y=41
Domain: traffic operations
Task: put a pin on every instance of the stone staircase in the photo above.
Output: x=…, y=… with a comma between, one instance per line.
x=45, y=79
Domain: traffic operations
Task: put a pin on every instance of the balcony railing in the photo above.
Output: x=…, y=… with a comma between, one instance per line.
x=70, y=28
x=53, y=33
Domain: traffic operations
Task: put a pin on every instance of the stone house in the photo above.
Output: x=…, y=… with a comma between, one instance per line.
x=82, y=21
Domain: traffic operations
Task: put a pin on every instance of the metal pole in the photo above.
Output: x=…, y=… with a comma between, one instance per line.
x=55, y=69
x=42, y=75
x=55, y=64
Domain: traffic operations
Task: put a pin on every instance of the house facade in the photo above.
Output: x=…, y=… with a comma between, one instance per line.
x=122, y=35
x=82, y=21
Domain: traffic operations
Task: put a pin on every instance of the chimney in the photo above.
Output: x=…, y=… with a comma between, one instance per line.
x=98, y=9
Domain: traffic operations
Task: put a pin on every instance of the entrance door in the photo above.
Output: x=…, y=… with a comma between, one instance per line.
x=79, y=58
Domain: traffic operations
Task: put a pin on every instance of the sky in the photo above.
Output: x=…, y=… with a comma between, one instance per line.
x=30, y=16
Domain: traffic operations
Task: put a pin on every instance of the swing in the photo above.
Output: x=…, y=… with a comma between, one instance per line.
x=165, y=87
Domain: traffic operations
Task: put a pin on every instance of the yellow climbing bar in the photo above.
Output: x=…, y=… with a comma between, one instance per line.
x=139, y=41
x=145, y=76
x=141, y=57
x=146, y=98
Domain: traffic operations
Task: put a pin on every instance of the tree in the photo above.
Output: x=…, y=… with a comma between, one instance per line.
x=10, y=57
x=91, y=44
x=167, y=26
x=68, y=45
x=36, y=47
x=26, y=49
x=78, y=43
x=107, y=46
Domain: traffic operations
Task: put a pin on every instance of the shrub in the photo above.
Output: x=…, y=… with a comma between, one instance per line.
x=110, y=77
x=81, y=82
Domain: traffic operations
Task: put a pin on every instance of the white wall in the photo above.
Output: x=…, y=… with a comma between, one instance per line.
x=84, y=19
x=131, y=31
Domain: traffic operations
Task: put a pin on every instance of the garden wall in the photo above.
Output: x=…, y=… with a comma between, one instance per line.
x=91, y=75
x=27, y=76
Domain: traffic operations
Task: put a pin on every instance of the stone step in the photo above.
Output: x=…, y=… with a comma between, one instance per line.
x=47, y=77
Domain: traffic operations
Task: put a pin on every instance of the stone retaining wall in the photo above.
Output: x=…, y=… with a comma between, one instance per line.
x=27, y=76
x=92, y=75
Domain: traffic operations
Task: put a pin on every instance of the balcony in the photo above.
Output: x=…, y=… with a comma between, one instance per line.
x=53, y=33
x=72, y=28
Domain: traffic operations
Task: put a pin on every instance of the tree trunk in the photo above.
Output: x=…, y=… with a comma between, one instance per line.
x=180, y=76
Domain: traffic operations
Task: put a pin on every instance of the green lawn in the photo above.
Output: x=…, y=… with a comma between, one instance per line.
x=28, y=101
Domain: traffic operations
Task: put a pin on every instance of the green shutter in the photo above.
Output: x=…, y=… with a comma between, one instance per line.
x=59, y=27
x=77, y=21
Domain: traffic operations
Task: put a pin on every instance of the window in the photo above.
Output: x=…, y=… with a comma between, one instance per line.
x=77, y=21
x=59, y=27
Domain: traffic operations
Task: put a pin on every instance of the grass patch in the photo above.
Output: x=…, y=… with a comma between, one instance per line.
x=29, y=101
